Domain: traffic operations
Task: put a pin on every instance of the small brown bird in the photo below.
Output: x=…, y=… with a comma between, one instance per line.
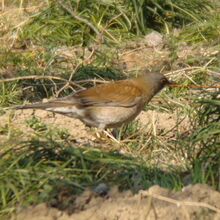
x=107, y=105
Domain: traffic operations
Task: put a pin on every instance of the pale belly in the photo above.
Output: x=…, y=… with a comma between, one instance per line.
x=105, y=117
x=101, y=117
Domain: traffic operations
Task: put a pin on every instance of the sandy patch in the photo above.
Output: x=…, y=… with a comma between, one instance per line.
x=141, y=206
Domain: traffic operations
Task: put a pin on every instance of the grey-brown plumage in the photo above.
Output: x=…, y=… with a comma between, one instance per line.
x=107, y=105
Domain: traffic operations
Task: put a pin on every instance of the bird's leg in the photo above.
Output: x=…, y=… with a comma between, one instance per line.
x=102, y=128
x=108, y=134
x=97, y=133
x=99, y=130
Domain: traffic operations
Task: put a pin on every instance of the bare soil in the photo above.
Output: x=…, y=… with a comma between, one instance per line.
x=151, y=123
x=199, y=201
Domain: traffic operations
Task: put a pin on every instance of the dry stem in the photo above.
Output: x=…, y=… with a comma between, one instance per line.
x=181, y=203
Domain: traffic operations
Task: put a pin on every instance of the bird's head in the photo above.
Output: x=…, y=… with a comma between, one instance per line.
x=156, y=81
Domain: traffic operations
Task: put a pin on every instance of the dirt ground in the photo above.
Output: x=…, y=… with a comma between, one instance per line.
x=193, y=202
x=152, y=121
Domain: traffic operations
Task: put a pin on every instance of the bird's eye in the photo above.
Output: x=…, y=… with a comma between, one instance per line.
x=164, y=81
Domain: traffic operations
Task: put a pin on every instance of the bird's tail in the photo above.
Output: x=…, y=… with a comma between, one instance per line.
x=65, y=106
x=46, y=105
x=35, y=106
x=56, y=103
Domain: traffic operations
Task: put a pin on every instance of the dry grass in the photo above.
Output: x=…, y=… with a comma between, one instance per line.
x=175, y=142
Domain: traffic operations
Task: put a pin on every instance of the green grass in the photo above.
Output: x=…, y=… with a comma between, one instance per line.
x=88, y=21
x=38, y=167
x=207, y=31
x=10, y=94
x=31, y=170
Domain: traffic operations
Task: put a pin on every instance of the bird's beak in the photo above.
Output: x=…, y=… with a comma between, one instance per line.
x=171, y=83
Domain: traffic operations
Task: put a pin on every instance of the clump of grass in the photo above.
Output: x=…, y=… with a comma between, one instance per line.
x=175, y=13
x=207, y=31
x=86, y=21
x=201, y=147
x=10, y=94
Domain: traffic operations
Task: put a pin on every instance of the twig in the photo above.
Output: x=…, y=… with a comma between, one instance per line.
x=68, y=83
x=3, y=5
x=88, y=59
x=195, y=69
x=189, y=78
x=184, y=69
x=133, y=50
x=34, y=77
x=181, y=203
x=209, y=62
x=20, y=6
x=92, y=80
x=74, y=71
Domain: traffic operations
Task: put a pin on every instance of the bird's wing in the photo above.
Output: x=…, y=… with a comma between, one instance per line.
x=122, y=93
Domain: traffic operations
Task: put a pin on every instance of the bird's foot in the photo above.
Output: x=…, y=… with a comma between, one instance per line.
x=111, y=136
x=107, y=134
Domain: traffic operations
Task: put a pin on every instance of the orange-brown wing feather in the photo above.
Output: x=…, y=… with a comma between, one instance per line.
x=121, y=93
